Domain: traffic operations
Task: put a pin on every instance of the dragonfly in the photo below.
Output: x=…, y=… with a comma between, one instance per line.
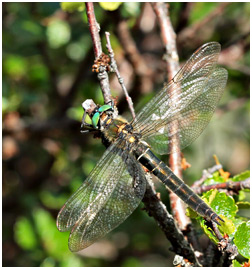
x=116, y=185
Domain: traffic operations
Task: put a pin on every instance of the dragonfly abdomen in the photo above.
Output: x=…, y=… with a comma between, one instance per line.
x=174, y=183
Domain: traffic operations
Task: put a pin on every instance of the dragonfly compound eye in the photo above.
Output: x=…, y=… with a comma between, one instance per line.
x=97, y=114
x=104, y=108
x=95, y=119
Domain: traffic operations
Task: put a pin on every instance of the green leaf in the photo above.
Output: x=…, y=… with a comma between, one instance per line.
x=24, y=234
x=227, y=226
x=216, y=178
x=111, y=6
x=221, y=203
x=235, y=263
x=243, y=205
x=238, y=221
x=72, y=6
x=225, y=207
x=58, y=33
x=241, y=195
x=241, y=176
x=208, y=231
x=242, y=239
x=191, y=213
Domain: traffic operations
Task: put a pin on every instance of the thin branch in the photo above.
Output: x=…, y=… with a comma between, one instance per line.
x=206, y=173
x=169, y=40
x=229, y=185
x=120, y=79
x=224, y=244
x=94, y=29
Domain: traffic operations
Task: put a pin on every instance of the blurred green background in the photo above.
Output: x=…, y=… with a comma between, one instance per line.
x=47, y=61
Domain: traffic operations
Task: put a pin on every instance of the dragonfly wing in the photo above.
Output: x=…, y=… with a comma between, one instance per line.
x=87, y=192
x=109, y=195
x=184, y=107
x=189, y=123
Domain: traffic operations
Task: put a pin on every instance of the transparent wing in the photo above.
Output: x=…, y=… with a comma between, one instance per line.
x=187, y=124
x=109, y=195
x=184, y=107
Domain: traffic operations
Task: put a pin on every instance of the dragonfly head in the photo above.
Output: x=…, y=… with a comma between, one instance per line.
x=96, y=114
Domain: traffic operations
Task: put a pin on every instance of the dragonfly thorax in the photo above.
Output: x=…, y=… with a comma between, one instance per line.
x=120, y=128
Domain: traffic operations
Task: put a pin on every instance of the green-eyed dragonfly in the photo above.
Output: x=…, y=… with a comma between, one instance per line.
x=117, y=184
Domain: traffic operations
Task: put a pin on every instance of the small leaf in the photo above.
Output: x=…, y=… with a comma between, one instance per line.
x=227, y=226
x=209, y=196
x=235, y=263
x=241, y=195
x=111, y=6
x=243, y=205
x=72, y=6
x=242, y=239
x=216, y=178
x=238, y=221
x=208, y=231
x=191, y=213
x=221, y=203
x=241, y=176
